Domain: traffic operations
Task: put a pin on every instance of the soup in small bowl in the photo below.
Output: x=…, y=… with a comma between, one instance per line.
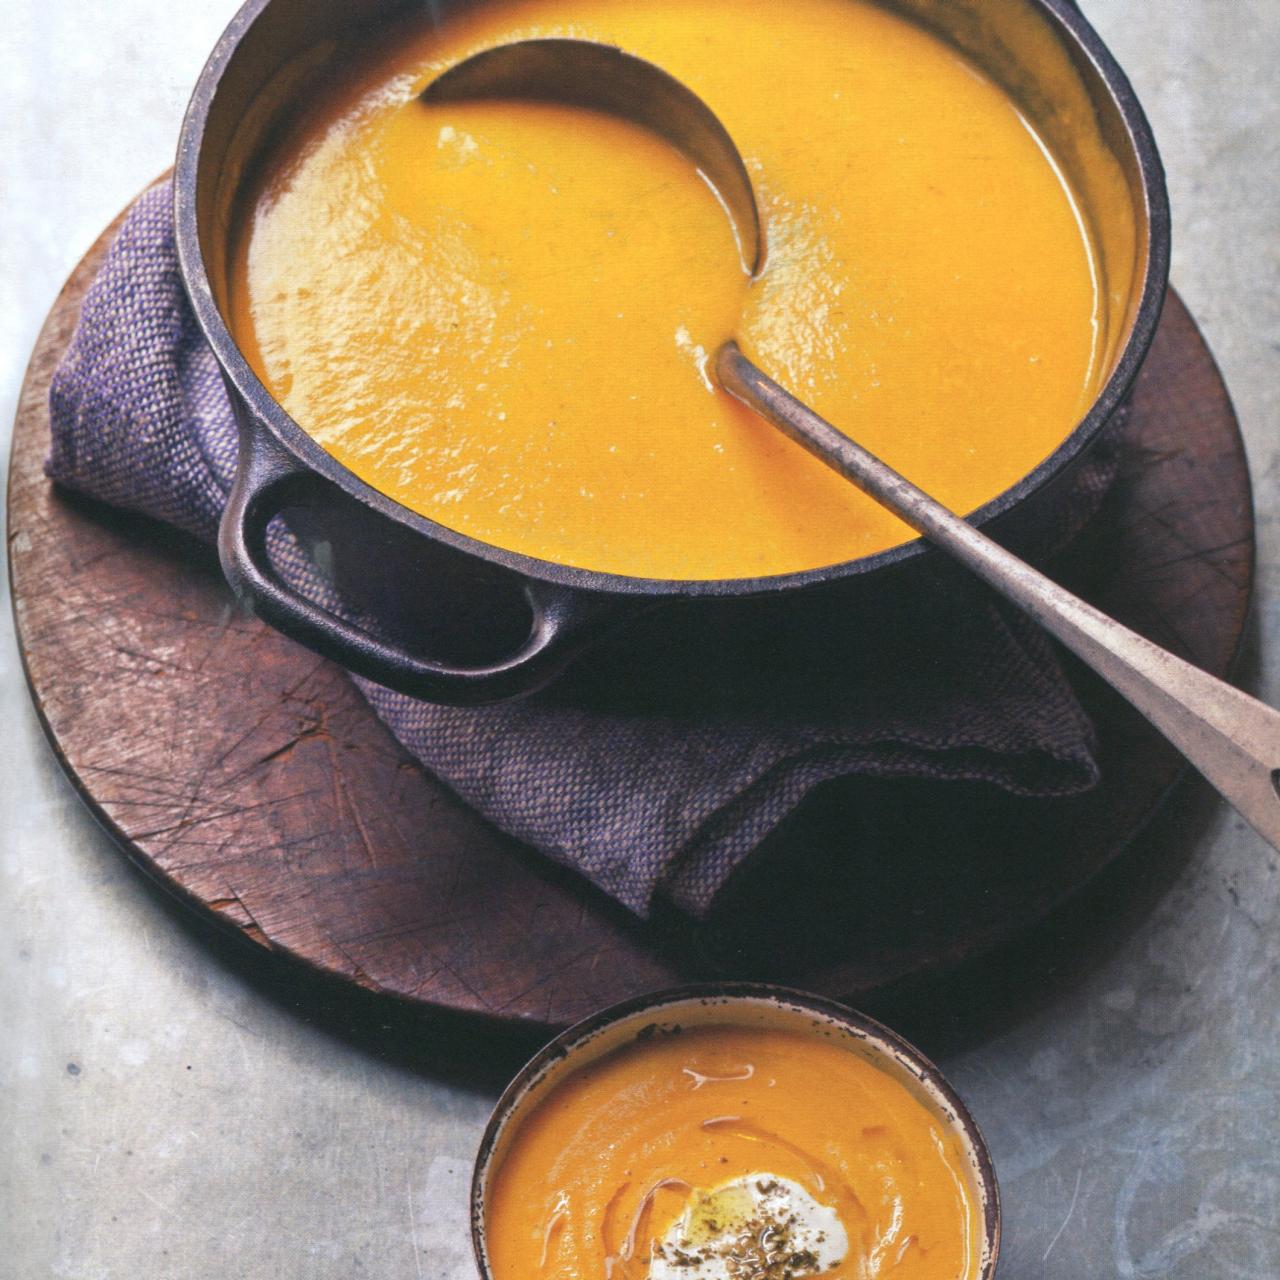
x=741, y=1131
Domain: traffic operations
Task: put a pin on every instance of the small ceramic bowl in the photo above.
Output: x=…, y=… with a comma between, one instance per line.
x=736, y=1004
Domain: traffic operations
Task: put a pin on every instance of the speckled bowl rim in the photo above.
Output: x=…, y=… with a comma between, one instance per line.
x=658, y=1008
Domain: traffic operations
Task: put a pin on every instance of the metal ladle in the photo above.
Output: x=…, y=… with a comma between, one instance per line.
x=1233, y=739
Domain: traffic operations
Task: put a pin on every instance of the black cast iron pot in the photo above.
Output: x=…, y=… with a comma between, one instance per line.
x=451, y=619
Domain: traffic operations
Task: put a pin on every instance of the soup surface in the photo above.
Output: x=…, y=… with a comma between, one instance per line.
x=670, y=1157
x=501, y=314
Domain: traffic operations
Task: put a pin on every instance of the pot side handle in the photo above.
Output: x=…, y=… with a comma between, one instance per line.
x=267, y=479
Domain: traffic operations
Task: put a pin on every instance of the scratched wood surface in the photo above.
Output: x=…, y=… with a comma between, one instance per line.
x=251, y=779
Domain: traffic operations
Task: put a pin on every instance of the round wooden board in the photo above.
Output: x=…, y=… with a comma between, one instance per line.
x=251, y=778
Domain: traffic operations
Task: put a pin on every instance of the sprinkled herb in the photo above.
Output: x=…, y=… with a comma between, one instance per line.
x=762, y=1247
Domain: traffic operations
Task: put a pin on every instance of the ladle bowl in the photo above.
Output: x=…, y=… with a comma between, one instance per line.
x=601, y=77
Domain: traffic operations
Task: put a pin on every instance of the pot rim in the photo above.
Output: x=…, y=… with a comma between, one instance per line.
x=265, y=412
x=886, y=1041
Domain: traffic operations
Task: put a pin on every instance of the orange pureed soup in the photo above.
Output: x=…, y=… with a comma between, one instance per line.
x=772, y=1147
x=501, y=314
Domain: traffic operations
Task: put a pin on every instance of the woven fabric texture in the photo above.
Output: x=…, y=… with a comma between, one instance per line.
x=664, y=793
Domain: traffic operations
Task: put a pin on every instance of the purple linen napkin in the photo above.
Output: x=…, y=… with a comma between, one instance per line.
x=664, y=793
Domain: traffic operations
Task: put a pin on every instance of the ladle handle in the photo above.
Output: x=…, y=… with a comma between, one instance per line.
x=1233, y=739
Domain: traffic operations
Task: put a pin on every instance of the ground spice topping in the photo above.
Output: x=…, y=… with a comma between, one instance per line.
x=754, y=1228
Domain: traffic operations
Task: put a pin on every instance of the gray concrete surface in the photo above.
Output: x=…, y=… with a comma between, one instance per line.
x=167, y=1109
